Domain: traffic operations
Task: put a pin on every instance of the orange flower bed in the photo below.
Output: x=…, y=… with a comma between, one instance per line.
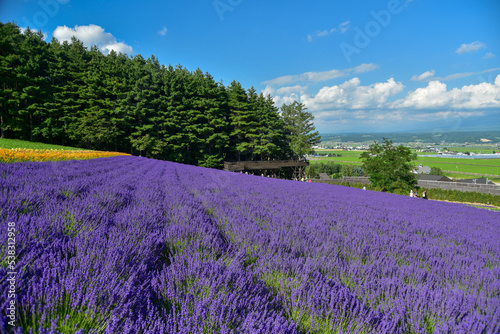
x=22, y=154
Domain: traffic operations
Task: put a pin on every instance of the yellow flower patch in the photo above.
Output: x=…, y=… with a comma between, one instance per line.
x=23, y=154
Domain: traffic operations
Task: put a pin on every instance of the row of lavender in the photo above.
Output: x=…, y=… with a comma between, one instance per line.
x=118, y=245
x=346, y=259
x=134, y=245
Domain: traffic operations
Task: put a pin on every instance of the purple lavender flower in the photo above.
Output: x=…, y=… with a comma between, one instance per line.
x=136, y=245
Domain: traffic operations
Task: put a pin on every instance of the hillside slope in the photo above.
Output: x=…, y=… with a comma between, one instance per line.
x=134, y=245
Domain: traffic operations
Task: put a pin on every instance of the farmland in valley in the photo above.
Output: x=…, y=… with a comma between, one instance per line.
x=456, y=167
x=135, y=245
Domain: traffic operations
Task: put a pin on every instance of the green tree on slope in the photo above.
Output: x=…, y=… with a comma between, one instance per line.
x=300, y=128
x=390, y=167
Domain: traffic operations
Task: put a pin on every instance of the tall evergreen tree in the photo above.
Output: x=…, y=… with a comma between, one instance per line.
x=67, y=94
x=93, y=127
x=69, y=68
x=32, y=73
x=242, y=121
x=51, y=128
x=147, y=99
x=300, y=128
x=271, y=133
x=213, y=114
x=11, y=40
x=176, y=121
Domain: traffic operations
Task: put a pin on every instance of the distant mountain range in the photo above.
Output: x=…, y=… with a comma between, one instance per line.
x=435, y=137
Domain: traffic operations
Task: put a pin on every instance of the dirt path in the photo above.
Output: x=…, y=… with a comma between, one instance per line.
x=486, y=206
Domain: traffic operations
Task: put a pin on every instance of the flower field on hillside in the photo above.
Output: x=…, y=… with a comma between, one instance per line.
x=24, y=154
x=134, y=245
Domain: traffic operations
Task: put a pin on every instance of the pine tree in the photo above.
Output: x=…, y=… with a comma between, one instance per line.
x=242, y=122
x=278, y=135
x=271, y=143
x=10, y=41
x=118, y=79
x=300, y=128
x=93, y=126
x=145, y=99
x=33, y=72
x=51, y=128
x=213, y=114
x=174, y=115
x=64, y=93
x=68, y=68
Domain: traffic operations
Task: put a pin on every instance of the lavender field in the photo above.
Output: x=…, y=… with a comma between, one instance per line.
x=134, y=245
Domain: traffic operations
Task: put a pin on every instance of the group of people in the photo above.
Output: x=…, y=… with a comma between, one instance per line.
x=415, y=194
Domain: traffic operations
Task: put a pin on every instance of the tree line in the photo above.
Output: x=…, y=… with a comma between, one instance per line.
x=66, y=94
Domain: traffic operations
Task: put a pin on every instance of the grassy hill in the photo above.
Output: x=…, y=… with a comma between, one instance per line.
x=15, y=143
x=131, y=244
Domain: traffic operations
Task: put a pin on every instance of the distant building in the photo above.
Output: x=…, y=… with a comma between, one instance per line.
x=480, y=180
x=425, y=177
x=421, y=169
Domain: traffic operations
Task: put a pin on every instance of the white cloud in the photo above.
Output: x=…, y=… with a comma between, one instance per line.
x=351, y=104
x=118, y=48
x=323, y=33
x=437, y=96
x=269, y=91
x=351, y=95
x=287, y=80
x=163, y=32
x=89, y=35
x=424, y=76
x=342, y=28
x=365, y=68
x=442, y=115
x=489, y=55
x=308, y=76
x=470, y=48
x=429, y=75
x=289, y=97
x=92, y=35
x=291, y=89
x=348, y=96
x=434, y=95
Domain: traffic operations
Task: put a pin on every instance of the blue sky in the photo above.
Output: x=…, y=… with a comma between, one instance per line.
x=358, y=66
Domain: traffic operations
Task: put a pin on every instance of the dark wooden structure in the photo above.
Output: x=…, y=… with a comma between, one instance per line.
x=298, y=167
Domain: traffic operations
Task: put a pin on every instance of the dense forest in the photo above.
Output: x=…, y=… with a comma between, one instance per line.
x=66, y=94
